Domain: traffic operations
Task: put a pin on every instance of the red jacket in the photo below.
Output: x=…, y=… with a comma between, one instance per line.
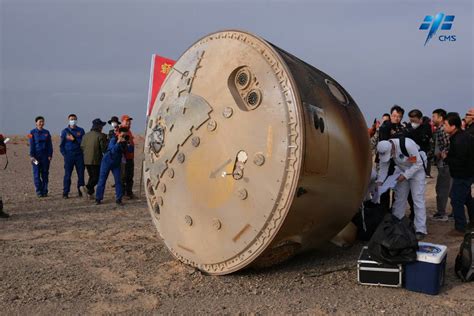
x=130, y=151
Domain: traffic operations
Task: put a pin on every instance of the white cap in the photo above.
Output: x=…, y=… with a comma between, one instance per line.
x=384, y=149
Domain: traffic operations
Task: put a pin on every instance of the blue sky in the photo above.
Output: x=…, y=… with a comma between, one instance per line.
x=92, y=58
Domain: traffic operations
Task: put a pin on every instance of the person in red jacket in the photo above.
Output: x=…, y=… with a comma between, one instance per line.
x=128, y=164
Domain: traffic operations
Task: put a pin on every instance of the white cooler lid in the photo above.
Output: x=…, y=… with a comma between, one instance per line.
x=431, y=253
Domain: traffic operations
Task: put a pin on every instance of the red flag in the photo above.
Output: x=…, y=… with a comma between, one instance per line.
x=160, y=67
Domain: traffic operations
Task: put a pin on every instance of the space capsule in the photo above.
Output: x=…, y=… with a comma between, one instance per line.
x=251, y=155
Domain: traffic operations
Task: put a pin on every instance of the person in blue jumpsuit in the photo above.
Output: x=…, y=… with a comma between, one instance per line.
x=70, y=147
x=41, y=153
x=112, y=162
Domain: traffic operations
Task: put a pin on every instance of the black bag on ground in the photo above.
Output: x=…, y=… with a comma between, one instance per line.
x=368, y=218
x=394, y=241
x=464, y=266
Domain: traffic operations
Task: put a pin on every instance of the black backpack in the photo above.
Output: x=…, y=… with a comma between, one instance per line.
x=464, y=266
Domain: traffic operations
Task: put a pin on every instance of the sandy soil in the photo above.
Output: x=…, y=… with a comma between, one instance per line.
x=72, y=257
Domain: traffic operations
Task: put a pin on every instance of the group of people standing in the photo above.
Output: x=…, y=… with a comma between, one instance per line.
x=410, y=148
x=93, y=151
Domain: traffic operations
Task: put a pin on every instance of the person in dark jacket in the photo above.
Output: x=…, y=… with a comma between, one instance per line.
x=112, y=162
x=470, y=122
x=41, y=153
x=419, y=131
x=93, y=145
x=393, y=128
x=389, y=129
x=460, y=159
x=3, y=150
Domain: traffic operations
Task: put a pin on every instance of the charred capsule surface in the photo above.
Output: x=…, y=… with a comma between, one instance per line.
x=244, y=129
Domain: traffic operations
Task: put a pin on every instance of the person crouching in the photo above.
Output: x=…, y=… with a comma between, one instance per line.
x=412, y=178
x=112, y=162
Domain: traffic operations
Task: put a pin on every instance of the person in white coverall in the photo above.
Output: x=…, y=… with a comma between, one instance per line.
x=412, y=179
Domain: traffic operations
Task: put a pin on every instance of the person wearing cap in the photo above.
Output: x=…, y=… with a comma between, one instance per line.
x=41, y=153
x=128, y=163
x=412, y=178
x=94, y=145
x=460, y=159
x=70, y=147
x=470, y=122
x=115, y=123
x=111, y=163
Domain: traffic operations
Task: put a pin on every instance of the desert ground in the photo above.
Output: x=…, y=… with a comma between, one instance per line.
x=73, y=257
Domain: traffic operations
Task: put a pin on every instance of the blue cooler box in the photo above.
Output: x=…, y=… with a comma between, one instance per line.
x=426, y=275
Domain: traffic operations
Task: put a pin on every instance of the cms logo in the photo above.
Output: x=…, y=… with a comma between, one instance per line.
x=439, y=21
x=447, y=38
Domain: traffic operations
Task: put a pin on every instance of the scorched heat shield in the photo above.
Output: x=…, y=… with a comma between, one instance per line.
x=251, y=155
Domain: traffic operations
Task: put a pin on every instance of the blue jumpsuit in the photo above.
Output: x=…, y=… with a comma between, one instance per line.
x=41, y=148
x=111, y=162
x=73, y=156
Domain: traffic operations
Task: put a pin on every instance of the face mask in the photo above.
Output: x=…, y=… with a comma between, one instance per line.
x=114, y=124
x=415, y=125
x=72, y=122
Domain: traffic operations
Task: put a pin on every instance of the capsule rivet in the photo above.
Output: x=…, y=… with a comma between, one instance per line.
x=227, y=113
x=212, y=125
x=195, y=141
x=188, y=220
x=242, y=193
x=216, y=224
x=180, y=157
x=259, y=159
x=238, y=174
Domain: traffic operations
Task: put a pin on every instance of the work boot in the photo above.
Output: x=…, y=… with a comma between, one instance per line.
x=79, y=191
x=131, y=196
x=65, y=196
x=440, y=217
x=119, y=202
